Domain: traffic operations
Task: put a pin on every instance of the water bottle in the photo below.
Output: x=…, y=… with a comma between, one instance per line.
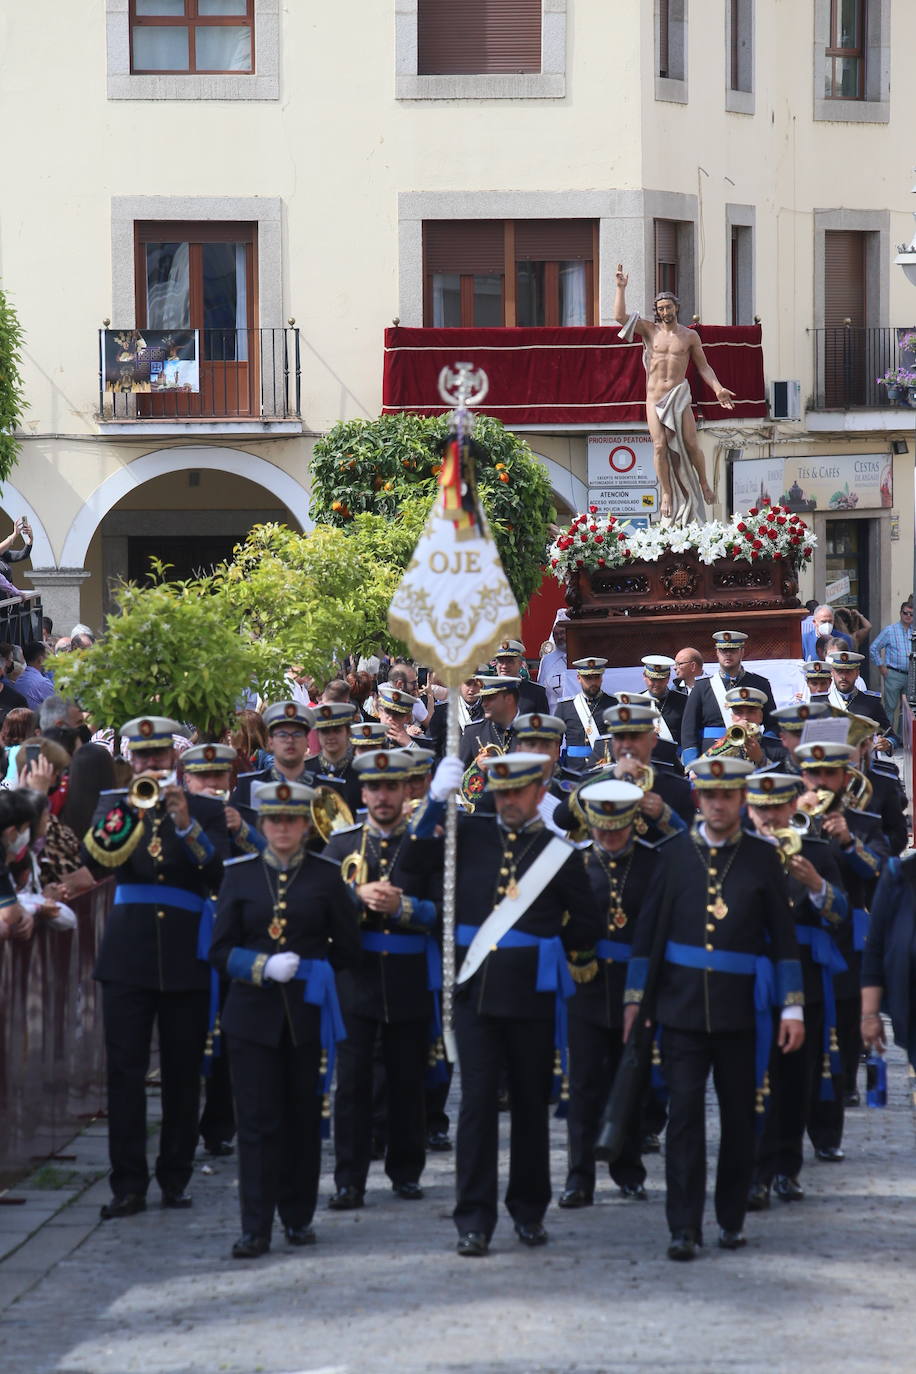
x=876, y=1080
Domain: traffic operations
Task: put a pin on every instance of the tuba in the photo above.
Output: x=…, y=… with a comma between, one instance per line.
x=329, y=812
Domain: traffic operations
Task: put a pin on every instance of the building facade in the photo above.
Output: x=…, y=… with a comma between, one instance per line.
x=279, y=183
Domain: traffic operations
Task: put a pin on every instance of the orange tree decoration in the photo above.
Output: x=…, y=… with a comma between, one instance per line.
x=389, y=467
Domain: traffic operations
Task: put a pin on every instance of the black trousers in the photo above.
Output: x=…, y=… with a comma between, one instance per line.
x=404, y=1047
x=526, y=1048
x=217, y=1120
x=826, y=1119
x=129, y=1014
x=436, y=1100
x=594, y=1054
x=278, y=1110
x=795, y=1084
x=688, y=1057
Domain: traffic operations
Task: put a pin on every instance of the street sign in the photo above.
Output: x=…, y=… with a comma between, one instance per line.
x=620, y=460
x=624, y=500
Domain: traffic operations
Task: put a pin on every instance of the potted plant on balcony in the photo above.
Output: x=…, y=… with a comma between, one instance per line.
x=893, y=384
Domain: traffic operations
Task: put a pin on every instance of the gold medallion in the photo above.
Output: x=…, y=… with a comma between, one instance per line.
x=275, y=929
x=620, y=918
x=719, y=909
x=154, y=848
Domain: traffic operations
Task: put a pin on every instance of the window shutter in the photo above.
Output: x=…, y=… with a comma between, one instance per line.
x=844, y=277
x=553, y=240
x=478, y=37
x=469, y=246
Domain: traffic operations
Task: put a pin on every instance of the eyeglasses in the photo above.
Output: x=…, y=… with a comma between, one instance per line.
x=287, y=734
x=906, y=612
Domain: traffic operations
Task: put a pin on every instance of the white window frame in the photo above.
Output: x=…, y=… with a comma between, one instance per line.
x=876, y=107
x=261, y=84
x=547, y=84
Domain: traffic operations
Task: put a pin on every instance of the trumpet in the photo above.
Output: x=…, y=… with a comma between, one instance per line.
x=145, y=790
x=642, y=777
x=330, y=812
x=734, y=741
x=789, y=841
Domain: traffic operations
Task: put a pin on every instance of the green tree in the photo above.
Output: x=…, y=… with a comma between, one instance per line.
x=389, y=467
x=173, y=649
x=12, y=392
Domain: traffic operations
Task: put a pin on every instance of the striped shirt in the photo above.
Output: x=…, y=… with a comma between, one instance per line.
x=895, y=641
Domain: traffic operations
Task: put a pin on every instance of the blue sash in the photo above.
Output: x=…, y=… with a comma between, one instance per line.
x=157, y=894
x=321, y=991
x=825, y=953
x=618, y=953
x=553, y=975
x=729, y=961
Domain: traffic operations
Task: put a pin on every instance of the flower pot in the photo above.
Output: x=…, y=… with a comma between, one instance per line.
x=893, y=393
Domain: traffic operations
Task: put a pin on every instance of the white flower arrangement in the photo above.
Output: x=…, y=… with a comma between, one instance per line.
x=593, y=543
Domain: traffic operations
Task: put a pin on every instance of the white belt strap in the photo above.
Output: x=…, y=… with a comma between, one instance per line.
x=511, y=909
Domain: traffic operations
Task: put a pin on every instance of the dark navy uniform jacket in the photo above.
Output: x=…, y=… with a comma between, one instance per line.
x=702, y=710
x=153, y=943
x=575, y=731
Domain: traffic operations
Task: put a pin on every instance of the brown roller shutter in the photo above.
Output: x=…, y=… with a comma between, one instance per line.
x=844, y=277
x=553, y=240
x=478, y=37
x=468, y=246
x=666, y=265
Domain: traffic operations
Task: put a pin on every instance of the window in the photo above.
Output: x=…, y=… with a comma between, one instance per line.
x=203, y=277
x=671, y=50
x=529, y=273
x=666, y=256
x=478, y=37
x=192, y=36
x=844, y=73
x=740, y=55
x=852, y=60
x=741, y=271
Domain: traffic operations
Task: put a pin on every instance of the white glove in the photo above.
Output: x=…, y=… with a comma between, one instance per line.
x=447, y=778
x=280, y=968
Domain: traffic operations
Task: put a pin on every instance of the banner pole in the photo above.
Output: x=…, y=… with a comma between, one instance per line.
x=449, y=883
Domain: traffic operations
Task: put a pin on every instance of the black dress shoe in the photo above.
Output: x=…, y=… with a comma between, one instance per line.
x=250, y=1246
x=219, y=1148
x=788, y=1189
x=472, y=1245
x=410, y=1192
x=634, y=1192
x=758, y=1197
x=650, y=1144
x=731, y=1240
x=684, y=1245
x=345, y=1200
x=852, y=1099
x=438, y=1142
x=127, y=1206
x=300, y=1235
x=575, y=1197
x=180, y=1201
x=830, y=1154
x=531, y=1233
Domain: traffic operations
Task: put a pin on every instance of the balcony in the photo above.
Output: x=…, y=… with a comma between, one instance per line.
x=847, y=364
x=209, y=381
x=568, y=378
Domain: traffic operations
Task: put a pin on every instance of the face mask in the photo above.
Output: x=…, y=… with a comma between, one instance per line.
x=825, y=627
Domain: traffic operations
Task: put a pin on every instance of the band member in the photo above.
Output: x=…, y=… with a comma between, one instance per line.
x=843, y=693
x=388, y=993
x=706, y=714
x=513, y=975
x=333, y=762
x=817, y=678
x=508, y=659
x=288, y=724
x=721, y=897
x=747, y=705
x=664, y=751
x=470, y=708
x=860, y=851
x=620, y=865
x=499, y=696
x=819, y=908
x=789, y=723
x=581, y=714
x=168, y=853
x=367, y=735
x=633, y=741
x=670, y=702
x=206, y=771
x=282, y=917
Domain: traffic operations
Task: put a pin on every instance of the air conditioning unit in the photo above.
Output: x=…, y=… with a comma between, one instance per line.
x=785, y=400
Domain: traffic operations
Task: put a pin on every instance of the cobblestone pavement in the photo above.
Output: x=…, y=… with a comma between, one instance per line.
x=825, y=1284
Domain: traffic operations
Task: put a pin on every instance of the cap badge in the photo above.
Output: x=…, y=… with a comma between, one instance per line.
x=501, y=770
x=624, y=714
x=717, y=768
x=744, y=693
x=209, y=753
x=608, y=808
x=289, y=710
x=381, y=762
x=818, y=752
x=325, y=712
x=804, y=712
x=766, y=784
x=283, y=792
x=146, y=728
x=536, y=722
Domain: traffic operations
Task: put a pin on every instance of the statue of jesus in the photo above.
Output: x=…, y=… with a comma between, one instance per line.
x=668, y=348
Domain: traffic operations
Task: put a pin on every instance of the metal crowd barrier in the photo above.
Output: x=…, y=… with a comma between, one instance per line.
x=52, y=1057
